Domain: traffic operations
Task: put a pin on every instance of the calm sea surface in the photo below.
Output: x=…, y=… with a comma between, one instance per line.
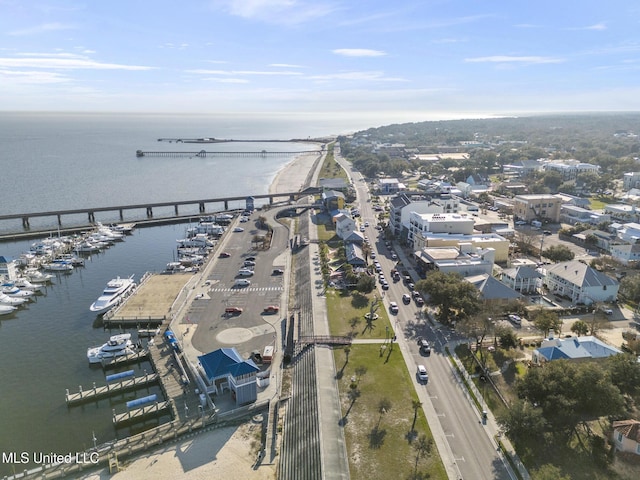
x=53, y=161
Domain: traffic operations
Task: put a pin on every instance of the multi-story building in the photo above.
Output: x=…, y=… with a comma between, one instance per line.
x=572, y=215
x=570, y=168
x=630, y=180
x=402, y=205
x=537, y=207
x=580, y=283
x=450, y=223
x=621, y=212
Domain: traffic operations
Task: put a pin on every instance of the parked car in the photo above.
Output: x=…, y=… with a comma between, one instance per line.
x=393, y=307
x=242, y=282
x=238, y=229
x=271, y=309
x=249, y=263
x=224, y=255
x=406, y=299
x=253, y=259
x=422, y=374
x=521, y=222
x=277, y=271
x=385, y=285
x=515, y=319
x=233, y=310
x=245, y=272
x=419, y=301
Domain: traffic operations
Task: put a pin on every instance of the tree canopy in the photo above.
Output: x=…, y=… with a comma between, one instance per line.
x=452, y=294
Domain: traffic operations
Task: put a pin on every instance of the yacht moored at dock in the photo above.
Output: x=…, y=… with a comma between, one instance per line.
x=117, y=346
x=7, y=309
x=115, y=291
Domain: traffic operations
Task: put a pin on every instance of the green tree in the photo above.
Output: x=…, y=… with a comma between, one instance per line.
x=624, y=371
x=580, y=327
x=365, y=284
x=506, y=336
x=558, y=253
x=522, y=422
x=630, y=287
x=546, y=320
x=452, y=294
x=549, y=472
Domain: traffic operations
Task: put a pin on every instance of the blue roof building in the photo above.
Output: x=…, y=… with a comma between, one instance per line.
x=574, y=348
x=224, y=369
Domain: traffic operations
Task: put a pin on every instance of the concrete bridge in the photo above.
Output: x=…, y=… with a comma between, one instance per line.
x=148, y=207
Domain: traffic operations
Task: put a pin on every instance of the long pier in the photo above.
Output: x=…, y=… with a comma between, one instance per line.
x=140, y=413
x=148, y=207
x=204, y=153
x=125, y=359
x=96, y=393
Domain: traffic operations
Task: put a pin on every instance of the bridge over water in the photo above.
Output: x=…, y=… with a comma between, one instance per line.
x=149, y=207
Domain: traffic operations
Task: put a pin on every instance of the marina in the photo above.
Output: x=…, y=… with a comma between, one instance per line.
x=94, y=393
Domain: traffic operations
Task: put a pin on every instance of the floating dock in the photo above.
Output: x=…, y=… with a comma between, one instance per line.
x=140, y=413
x=125, y=359
x=96, y=393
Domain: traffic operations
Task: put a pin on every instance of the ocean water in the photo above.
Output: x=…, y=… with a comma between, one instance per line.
x=54, y=161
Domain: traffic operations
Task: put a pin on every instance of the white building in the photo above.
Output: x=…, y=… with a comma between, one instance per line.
x=345, y=225
x=449, y=223
x=580, y=283
x=571, y=168
x=464, y=260
x=630, y=180
x=479, y=240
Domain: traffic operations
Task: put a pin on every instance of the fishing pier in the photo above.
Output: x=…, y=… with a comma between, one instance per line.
x=205, y=154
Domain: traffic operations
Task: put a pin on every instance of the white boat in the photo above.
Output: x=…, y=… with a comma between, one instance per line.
x=88, y=247
x=58, y=266
x=117, y=346
x=12, y=291
x=25, y=284
x=7, y=309
x=36, y=276
x=115, y=291
x=7, y=300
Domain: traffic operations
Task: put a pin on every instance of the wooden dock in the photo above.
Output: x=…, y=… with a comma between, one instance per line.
x=124, y=359
x=96, y=393
x=140, y=413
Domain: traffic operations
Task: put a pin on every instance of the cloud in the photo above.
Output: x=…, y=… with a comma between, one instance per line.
x=530, y=60
x=32, y=77
x=357, y=76
x=359, y=52
x=44, y=28
x=242, y=72
x=66, y=61
x=284, y=65
x=282, y=12
x=596, y=26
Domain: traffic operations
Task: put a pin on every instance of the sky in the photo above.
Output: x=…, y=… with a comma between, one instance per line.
x=402, y=59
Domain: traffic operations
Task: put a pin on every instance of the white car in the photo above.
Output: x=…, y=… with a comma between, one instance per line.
x=242, y=282
x=238, y=229
x=393, y=307
x=245, y=272
x=515, y=319
x=422, y=374
x=521, y=222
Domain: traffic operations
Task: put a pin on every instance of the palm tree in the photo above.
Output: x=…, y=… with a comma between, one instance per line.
x=416, y=405
x=423, y=447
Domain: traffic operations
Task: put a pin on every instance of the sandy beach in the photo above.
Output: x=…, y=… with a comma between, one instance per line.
x=217, y=453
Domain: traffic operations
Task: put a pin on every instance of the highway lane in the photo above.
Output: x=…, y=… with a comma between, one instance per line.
x=474, y=453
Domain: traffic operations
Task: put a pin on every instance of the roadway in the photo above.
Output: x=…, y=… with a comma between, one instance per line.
x=465, y=444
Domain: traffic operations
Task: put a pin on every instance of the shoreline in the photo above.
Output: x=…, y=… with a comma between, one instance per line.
x=215, y=453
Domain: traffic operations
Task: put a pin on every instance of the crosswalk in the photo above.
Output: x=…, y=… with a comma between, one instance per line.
x=246, y=289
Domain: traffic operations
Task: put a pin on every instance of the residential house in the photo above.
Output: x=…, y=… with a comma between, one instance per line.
x=354, y=254
x=522, y=279
x=626, y=436
x=580, y=283
x=573, y=348
x=333, y=200
x=390, y=185
x=224, y=369
x=491, y=290
x=345, y=225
